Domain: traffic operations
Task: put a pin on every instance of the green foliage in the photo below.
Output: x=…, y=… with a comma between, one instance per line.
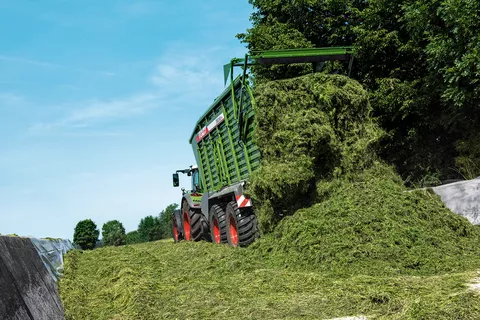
x=149, y=229
x=468, y=162
x=86, y=234
x=298, y=24
x=420, y=60
x=166, y=221
x=153, y=228
x=113, y=233
x=308, y=128
x=133, y=237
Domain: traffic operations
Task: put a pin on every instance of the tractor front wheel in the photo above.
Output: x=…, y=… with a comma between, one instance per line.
x=242, y=226
x=177, y=236
x=195, y=226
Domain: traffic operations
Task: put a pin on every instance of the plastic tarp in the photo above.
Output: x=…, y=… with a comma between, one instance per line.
x=463, y=198
x=27, y=289
x=51, y=252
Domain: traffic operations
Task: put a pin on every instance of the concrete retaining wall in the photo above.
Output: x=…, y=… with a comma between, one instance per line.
x=27, y=289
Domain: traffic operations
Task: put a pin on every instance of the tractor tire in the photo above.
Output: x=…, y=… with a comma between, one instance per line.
x=195, y=227
x=218, y=224
x=242, y=226
x=177, y=235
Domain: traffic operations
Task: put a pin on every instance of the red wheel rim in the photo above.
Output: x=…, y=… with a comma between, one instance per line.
x=216, y=231
x=186, y=226
x=233, y=231
x=175, y=231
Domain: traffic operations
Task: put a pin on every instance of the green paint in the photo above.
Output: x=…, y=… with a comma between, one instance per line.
x=230, y=141
x=238, y=106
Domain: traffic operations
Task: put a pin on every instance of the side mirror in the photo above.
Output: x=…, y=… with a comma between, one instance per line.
x=176, y=180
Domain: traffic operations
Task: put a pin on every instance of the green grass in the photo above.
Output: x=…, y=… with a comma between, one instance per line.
x=369, y=223
x=162, y=280
x=344, y=237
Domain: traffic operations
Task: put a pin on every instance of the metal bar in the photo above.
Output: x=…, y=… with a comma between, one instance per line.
x=234, y=155
x=208, y=165
x=307, y=52
x=202, y=171
x=247, y=158
x=218, y=165
x=240, y=108
x=224, y=160
x=302, y=59
x=290, y=56
x=350, y=66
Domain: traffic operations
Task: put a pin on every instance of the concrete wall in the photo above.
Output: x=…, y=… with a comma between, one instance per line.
x=463, y=198
x=27, y=289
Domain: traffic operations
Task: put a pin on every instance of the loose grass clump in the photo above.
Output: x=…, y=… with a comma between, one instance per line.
x=326, y=203
x=370, y=224
x=308, y=128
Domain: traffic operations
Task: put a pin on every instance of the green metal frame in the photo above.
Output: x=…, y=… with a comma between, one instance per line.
x=289, y=56
x=220, y=170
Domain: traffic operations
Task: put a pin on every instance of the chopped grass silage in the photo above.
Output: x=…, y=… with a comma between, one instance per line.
x=326, y=203
x=368, y=223
x=354, y=240
x=308, y=128
x=162, y=280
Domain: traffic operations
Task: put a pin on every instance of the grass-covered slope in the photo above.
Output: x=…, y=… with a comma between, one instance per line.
x=162, y=280
x=368, y=223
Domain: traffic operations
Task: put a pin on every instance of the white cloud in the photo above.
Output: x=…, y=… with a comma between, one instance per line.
x=51, y=65
x=190, y=73
x=141, y=8
x=177, y=81
x=10, y=99
x=94, y=111
x=136, y=104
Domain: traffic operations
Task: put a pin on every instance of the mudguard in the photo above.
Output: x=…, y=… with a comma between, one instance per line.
x=177, y=215
x=193, y=202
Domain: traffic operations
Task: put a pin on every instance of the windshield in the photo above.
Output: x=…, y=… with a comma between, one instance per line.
x=194, y=180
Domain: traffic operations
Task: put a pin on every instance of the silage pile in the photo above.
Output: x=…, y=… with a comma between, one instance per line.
x=325, y=201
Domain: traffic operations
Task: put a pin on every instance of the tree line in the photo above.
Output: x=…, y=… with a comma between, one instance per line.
x=150, y=228
x=420, y=61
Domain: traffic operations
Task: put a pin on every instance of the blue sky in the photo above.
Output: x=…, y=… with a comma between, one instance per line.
x=97, y=102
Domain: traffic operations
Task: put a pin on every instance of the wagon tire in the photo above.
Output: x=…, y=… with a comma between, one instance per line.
x=242, y=225
x=195, y=226
x=218, y=224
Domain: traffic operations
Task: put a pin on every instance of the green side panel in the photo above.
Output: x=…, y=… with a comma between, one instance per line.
x=221, y=157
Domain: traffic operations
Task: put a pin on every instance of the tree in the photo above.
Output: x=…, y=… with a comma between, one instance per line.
x=166, y=220
x=133, y=237
x=113, y=233
x=86, y=234
x=420, y=59
x=149, y=229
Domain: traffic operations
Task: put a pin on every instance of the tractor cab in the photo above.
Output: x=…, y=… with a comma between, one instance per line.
x=195, y=180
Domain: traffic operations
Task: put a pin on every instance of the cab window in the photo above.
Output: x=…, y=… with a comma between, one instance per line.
x=194, y=180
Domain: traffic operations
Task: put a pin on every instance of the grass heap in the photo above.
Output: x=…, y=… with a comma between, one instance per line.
x=352, y=214
x=308, y=128
x=368, y=223
x=163, y=280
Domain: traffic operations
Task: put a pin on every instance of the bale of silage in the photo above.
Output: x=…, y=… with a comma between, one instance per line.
x=308, y=128
x=369, y=223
